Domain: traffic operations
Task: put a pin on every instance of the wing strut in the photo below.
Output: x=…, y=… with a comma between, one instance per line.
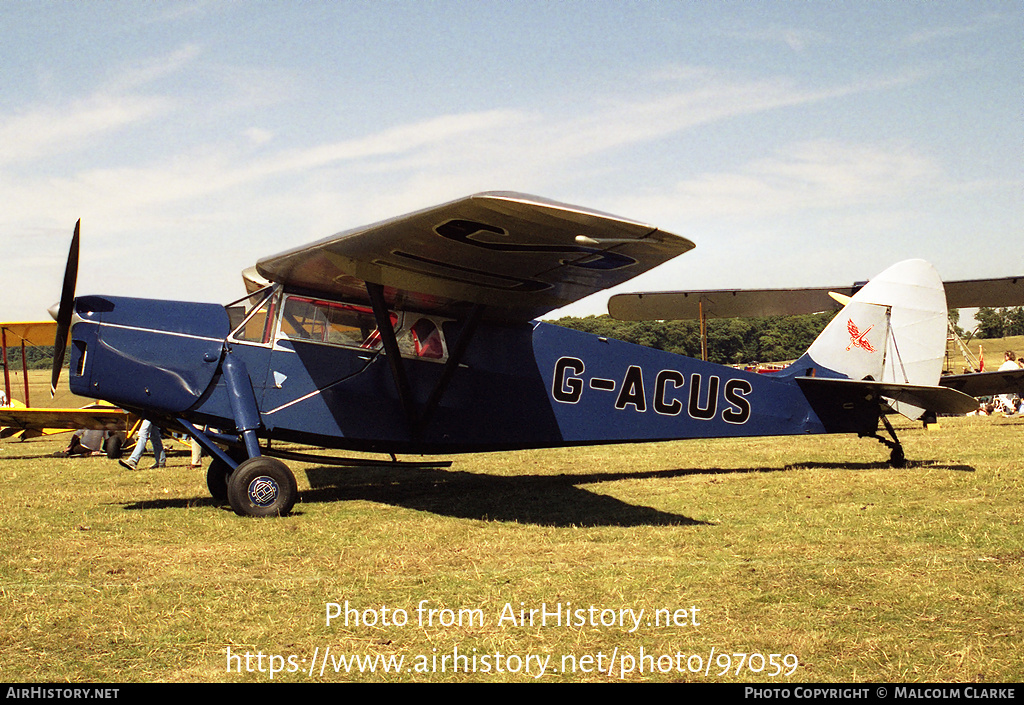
x=387, y=335
x=24, y=373
x=418, y=421
x=452, y=364
x=24, y=368
x=7, y=378
x=703, y=332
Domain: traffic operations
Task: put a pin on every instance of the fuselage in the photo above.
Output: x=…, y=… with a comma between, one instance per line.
x=315, y=372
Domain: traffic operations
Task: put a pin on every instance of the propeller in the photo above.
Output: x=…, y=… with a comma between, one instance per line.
x=67, y=307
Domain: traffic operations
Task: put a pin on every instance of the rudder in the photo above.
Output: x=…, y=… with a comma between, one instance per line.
x=892, y=330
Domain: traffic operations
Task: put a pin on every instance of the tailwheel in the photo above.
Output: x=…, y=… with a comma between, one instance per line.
x=897, y=458
x=262, y=487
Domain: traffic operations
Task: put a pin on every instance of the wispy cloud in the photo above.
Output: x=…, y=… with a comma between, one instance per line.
x=46, y=130
x=410, y=164
x=819, y=175
x=65, y=127
x=940, y=33
x=146, y=72
x=796, y=38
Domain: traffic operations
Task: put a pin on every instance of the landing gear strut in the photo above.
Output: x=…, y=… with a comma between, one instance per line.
x=897, y=459
x=258, y=486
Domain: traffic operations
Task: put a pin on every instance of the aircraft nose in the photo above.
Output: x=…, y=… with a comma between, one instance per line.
x=54, y=310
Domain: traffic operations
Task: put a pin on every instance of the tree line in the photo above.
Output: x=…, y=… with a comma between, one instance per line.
x=1000, y=322
x=38, y=357
x=730, y=340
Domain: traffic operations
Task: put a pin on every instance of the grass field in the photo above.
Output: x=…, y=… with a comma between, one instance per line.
x=810, y=549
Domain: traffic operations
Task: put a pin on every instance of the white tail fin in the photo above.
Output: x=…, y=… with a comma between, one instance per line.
x=892, y=330
x=854, y=343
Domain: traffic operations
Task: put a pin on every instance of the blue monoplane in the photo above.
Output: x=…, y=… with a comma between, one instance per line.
x=418, y=335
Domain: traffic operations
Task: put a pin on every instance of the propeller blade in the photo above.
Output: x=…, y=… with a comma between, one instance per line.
x=67, y=306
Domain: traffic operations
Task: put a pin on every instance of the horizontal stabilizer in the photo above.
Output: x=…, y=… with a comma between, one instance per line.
x=841, y=398
x=983, y=384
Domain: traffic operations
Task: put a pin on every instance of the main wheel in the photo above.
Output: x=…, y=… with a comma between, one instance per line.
x=113, y=445
x=262, y=487
x=218, y=472
x=217, y=479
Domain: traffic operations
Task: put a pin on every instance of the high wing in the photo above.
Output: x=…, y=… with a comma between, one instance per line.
x=754, y=303
x=519, y=255
x=252, y=280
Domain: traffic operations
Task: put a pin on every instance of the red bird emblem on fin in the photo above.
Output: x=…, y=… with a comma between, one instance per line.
x=858, y=339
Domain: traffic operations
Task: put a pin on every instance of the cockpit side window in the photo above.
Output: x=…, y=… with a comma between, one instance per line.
x=328, y=322
x=427, y=339
x=253, y=317
x=422, y=339
x=351, y=325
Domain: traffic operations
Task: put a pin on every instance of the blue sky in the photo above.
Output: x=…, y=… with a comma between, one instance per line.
x=797, y=143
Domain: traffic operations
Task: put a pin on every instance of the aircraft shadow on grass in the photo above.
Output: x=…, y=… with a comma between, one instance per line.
x=39, y=456
x=532, y=499
x=911, y=465
x=548, y=500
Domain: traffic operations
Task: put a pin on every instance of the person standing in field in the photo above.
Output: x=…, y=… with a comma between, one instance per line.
x=147, y=432
x=1006, y=401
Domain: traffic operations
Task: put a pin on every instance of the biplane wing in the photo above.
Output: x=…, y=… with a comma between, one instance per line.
x=29, y=332
x=105, y=418
x=755, y=303
x=724, y=303
x=519, y=255
x=983, y=384
x=973, y=293
x=25, y=334
x=32, y=421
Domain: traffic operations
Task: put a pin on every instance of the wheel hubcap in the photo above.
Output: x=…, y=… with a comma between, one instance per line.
x=263, y=491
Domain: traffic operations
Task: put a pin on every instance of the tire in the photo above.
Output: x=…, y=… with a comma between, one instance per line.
x=112, y=446
x=218, y=472
x=217, y=479
x=262, y=487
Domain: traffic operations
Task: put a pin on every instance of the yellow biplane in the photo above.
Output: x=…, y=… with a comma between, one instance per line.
x=21, y=420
